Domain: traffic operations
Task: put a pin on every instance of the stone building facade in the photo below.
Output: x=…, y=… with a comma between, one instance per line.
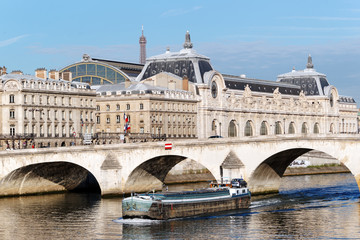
x=37, y=111
x=300, y=102
x=145, y=111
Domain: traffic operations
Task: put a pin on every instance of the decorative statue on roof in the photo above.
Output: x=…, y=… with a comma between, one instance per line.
x=309, y=63
x=86, y=58
x=247, y=91
x=276, y=94
x=187, y=43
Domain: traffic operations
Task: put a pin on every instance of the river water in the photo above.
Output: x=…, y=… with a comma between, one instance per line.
x=307, y=207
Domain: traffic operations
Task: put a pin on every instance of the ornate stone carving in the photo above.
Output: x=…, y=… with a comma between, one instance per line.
x=11, y=86
x=276, y=94
x=247, y=91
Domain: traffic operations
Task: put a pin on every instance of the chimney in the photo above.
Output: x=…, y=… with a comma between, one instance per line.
x=185, y=83
x=66, y=75
x=53, y=74
x=17, y=72
x=40, y=73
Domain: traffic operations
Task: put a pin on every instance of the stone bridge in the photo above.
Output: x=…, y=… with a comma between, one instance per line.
x=123, y=168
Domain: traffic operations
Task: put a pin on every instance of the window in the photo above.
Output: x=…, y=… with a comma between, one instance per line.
x=128, y=118
x=127, y=106
x=55, y=100
x=141, y=130
x=118, y=118
x=12, y=130
x=232, y=129
x=141, y=106
x=292, y=128
x=12, y=113
x=98, y=119
x=97, y=108
x=70, y=101
x=63, y=115
x=12, y=98
x=55, y=114
x=278, y=128
x=25, y=113
x=118, y=107
x=263, y=128
x=25, y=101
x=249, y=129
x=47, y=100
x=70, y=115
x=304, y=128
x=316, y=128
x=107, y=119
x=107, y=107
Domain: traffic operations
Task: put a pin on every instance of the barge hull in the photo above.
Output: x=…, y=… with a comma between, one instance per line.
x=164, y=210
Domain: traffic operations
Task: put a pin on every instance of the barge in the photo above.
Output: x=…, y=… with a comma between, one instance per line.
x=168, y=205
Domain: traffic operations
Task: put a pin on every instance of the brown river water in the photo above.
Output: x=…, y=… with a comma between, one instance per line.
x=307, y=207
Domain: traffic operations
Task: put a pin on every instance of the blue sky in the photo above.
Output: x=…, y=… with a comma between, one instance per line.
x=261, y=39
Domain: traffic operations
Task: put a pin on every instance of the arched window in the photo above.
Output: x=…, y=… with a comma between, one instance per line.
x=292, y=128
x=232, y=129
x=117, y=107
x=264, y=128
x=278, y=129
x=316, y=128
x=304, y=128
x=249, y=129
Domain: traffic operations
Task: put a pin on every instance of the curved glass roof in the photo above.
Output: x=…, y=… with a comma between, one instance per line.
x=96, y=73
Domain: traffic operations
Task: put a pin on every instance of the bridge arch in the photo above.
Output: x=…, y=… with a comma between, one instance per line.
x=48, y=177
x=266, y=178
x=151, y=174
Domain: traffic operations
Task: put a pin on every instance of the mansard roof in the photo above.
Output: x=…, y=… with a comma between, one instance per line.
x=262, y=86
x=311, y=82
x=185, y=63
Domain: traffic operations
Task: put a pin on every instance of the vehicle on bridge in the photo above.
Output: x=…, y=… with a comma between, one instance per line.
x=167, y=205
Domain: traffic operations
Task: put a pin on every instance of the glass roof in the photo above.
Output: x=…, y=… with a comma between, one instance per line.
x=96, y=73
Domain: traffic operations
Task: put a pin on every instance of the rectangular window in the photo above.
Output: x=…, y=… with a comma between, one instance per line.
x=141, y=130
x=12, y=98
x=108, y=120
x=118, y=118
x=70, y=115
x=12, y=113
x=98, y=119
x=25, y=99
x=12, y=130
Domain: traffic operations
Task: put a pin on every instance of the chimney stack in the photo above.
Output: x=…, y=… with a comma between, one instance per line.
x=40, y=73
x=17, y=72
x=53, y=74
x=66, y=75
